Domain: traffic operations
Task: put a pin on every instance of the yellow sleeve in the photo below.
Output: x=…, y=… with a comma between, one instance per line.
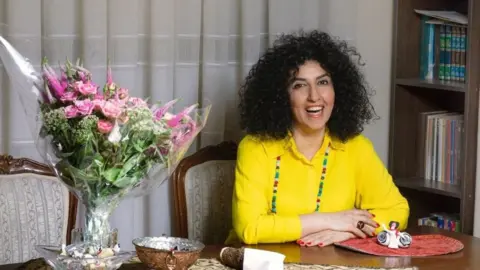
x=376, y=190
x=252, y=221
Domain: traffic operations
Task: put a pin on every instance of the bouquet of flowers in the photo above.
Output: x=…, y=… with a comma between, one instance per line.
x=103, y=143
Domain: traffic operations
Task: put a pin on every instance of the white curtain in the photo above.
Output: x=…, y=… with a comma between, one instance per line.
x=195, y=50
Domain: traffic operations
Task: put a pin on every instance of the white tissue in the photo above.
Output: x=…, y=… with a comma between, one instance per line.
x=256, y=259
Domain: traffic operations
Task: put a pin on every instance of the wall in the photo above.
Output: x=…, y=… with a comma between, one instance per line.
x=476, y=218
x=374, y=41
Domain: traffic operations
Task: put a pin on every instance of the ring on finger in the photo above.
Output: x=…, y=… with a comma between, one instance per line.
x=360, y=225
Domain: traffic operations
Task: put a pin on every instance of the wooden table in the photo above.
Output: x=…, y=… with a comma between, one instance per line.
x=468, y=258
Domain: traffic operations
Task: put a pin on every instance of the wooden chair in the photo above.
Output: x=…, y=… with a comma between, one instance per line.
x=35, y=208
x=203, y=188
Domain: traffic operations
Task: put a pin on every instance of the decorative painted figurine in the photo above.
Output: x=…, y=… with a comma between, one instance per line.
x=393, y=238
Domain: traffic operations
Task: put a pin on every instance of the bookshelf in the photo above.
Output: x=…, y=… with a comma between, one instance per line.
x=413, y=94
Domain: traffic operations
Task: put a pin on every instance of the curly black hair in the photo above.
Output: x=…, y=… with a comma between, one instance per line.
x=265, y=109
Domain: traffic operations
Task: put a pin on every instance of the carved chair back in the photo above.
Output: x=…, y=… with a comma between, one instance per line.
x=203, y=188
x=35, y=208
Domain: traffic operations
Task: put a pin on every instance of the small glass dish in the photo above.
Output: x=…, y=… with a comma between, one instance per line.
x=53, y=256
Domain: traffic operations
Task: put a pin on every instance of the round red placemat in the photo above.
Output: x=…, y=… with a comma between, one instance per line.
x=422, y=245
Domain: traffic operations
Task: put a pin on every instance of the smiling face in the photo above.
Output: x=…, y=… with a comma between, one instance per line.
x=311, y=97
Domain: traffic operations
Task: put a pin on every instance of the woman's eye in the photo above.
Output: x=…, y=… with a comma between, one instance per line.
x=323, y=82
x=297, y=86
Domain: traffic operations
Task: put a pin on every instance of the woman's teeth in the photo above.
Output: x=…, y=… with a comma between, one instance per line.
x=315, y=109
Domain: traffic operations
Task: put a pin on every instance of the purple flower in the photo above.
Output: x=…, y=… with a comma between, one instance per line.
x=82, y=76
x=177, y=118
x=53, y=83
x=160, y=112
x=64, y=80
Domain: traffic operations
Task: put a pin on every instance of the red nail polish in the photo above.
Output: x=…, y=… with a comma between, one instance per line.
x=320, y=244
x=309, y=243
x=300, y=242
x=378, y=225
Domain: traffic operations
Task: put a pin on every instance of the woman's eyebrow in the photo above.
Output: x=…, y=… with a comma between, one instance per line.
x=319, y=77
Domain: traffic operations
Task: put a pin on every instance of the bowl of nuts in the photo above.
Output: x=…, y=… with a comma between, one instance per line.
x=170, y=253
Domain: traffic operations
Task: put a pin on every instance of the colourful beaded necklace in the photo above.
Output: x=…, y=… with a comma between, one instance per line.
x=320, y=188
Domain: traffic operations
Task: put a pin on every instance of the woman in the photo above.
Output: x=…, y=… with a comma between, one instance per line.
x=304, y=172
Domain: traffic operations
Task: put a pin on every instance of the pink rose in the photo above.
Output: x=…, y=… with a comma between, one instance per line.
x=104, y=126
x=84, y=107
x=85, y=88
x=98, y=104
x=71, y=111
x=68, y=96
x=111, y=109
x=136, y=102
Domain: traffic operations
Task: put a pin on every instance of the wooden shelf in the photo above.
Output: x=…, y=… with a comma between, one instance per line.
x=430, y=186
x=432, y=84
x=411, y=96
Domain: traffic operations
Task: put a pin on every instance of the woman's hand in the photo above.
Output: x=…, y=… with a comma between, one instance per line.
x=324, y=238
x=349, y=221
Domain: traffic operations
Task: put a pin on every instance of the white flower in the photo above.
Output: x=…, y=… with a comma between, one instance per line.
x=115, y=135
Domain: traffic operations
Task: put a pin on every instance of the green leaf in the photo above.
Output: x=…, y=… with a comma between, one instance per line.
x=86, y=155
x=130, y=164
x=98, y=163
x=138, y=146
x=111, y=174
x=125, y=182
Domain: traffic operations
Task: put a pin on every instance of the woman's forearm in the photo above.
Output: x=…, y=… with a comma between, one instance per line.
x=315, y=222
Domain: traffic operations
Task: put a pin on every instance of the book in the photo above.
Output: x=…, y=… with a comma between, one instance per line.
x=449, y=222
x=443, y=50
x=439, y=142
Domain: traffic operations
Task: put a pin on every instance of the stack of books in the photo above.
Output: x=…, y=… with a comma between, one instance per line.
x=443, y=47
x=439, y=145
x=449, y=222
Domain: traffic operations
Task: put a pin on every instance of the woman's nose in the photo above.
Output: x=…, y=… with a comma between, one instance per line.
x=313, y=94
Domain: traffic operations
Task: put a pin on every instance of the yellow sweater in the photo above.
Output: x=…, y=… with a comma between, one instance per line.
x=355, y=178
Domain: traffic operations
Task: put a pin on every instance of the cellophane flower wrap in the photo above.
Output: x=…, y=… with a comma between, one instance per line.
x=102, y=142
